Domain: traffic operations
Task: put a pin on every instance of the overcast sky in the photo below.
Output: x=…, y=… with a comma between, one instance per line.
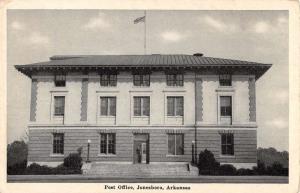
x=259, y=36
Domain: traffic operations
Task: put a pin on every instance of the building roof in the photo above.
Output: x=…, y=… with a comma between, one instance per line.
x=145, y=61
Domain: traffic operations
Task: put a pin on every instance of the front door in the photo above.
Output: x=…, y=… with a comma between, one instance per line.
x=141, y=149
x=144, y=152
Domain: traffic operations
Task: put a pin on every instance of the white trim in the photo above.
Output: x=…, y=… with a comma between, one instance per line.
x=140, y=94
x=133, y=127
x=51, y=149
x=107, y=91
x=57, y=90
x=99, y=146
x=170, y=163
x=174, y=90
x=241, y=165
x=50, y=164
x=225, y=155
x=112, y=162
x=222, y=94
x=174, y=94
x=56, y=154
x=144, y=91
x=175, y=155
x=52, y=107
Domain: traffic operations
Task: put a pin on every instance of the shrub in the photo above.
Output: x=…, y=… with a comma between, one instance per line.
x=260, y=169
x=245, y=172
x=277, y=170
x=17, y=168
x=227, y=170
x=37, y=169
x=16, y=152
x=73, y=161
x=207, y=163
x=16, y=157
x=61, y=169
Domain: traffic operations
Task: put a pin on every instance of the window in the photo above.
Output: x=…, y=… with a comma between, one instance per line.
x=175, y=144
x=108, y=80
x=108, y=143
x=141, y=80
x=227, y=142
x=225, y=80
x=141, y=106
x=58, y=143
x=108, y=106
x=60, y=80
x=175, y=106
x=225, y=106
x=59, y=106
x=174, y=79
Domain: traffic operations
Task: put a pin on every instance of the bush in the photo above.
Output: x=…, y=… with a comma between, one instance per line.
x=16, y=157
x=245, y=172
x=16, y=152
x=227, y=170
x=73, y=161
x=260, y=169
x=36, y=169
x=207, y=163
x=277, y=170
x=17, y=168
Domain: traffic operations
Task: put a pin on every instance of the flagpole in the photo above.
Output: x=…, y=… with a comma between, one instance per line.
x=145, y=33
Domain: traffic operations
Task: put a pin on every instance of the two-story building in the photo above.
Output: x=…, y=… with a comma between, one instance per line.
x=143, y=108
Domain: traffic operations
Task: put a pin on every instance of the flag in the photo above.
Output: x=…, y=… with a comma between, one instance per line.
x=139, y=19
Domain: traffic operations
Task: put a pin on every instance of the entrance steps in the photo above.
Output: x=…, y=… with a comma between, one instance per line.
x=121, y=170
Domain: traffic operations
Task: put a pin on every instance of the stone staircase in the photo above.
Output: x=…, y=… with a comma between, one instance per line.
x=140, y=170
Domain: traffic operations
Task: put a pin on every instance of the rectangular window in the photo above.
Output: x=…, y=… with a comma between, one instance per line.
x=227, y=142
x=108, y=106
x=141, y=106
x=58, y=143
x=175, y=144
x=108, y=143
x=141, y=80
x=225, y=105
x=225, y=80
x=60, y=80
x=59, y=106
x=175, y=106
x=174, y=79
x=108, y=80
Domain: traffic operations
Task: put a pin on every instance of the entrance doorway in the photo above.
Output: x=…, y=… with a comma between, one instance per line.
x=141, y=149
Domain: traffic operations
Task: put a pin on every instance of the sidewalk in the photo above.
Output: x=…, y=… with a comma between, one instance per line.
x=93, y=179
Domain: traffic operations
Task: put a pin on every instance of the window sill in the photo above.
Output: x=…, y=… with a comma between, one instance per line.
x=106, y=155
x=148, y=86
x=175, y=86
x=169, y=155
x=225, y=89
x=108, y=87
x=58, y=116
x=59, y=89
x=57, y=155
x=108, y=117
x=227, y=156
x=140, y=117
x=175, y=117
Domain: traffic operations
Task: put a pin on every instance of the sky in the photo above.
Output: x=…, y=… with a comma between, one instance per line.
x=258, y=36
